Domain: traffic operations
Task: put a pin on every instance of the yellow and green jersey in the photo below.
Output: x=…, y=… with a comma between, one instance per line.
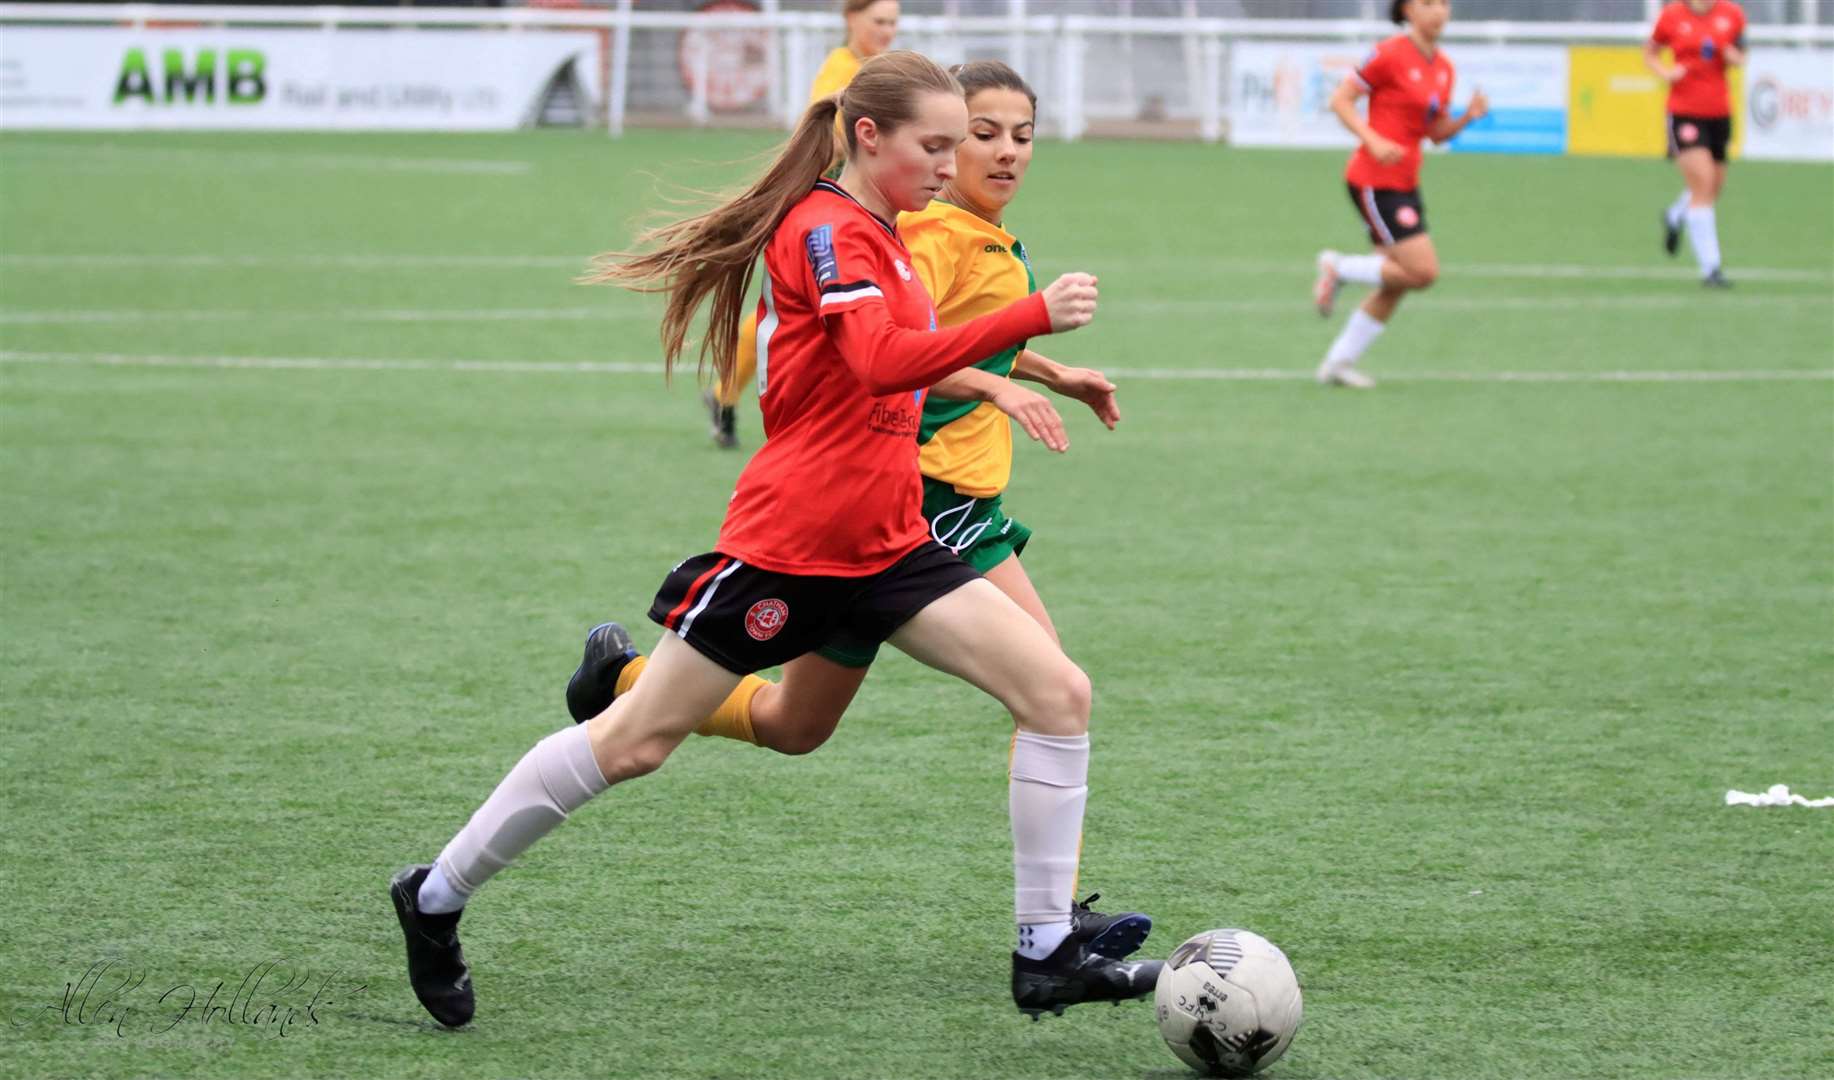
x=971, y=267
x=836, y=72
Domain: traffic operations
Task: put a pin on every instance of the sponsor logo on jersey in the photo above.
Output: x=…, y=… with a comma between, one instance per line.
x=822, y=263
x=896, y=420
x=766, y=618
x=903, y=270
x=994, y=249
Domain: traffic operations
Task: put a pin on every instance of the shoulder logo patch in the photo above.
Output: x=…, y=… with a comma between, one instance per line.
x=822, y=264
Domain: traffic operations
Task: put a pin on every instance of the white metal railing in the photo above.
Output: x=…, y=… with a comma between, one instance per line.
x=799, y=39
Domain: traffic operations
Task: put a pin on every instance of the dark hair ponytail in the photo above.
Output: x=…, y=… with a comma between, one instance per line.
x=1397, y=12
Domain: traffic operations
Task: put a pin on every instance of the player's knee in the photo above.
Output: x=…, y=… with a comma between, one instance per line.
x=1059, y=704
x=796, y=741
x=1423, y=277
x=638, y=759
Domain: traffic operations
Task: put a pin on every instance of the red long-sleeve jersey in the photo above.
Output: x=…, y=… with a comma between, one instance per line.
x=847, y=345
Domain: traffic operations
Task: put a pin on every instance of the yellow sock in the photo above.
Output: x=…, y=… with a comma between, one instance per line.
x=745, y=364
x=628, y=677
x=732, y=720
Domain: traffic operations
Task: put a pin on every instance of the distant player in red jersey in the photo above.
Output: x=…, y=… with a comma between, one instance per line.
x=1705, y=37
x=1409, y=82
x=824, y=536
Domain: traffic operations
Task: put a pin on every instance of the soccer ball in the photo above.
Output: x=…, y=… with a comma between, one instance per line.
x=1228, y=1002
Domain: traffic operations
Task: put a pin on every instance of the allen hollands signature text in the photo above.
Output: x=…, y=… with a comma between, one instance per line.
x=270, y=999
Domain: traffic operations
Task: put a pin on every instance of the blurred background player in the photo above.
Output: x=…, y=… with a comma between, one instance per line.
x=971, y=266
x=855, y=337
x=1409, y=81
x=1705, y=37
x=872, y=26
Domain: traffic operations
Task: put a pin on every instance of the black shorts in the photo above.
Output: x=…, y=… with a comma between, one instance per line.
x=1714, y=133
x=744, y=619
x=1391, y=216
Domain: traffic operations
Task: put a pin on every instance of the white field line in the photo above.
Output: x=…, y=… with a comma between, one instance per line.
x=1201, y=308
x=595, y=367
x=576, y=263
x=1452, y=270
x=92, y=157
x=1219, y=266
x=26, y=317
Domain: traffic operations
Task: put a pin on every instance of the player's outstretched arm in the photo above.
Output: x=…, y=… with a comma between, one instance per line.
x=1034, y=412
x=1086, y=385
x=889, y=358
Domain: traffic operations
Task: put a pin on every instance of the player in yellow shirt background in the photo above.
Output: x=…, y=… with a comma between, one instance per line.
x=872, y=25
x=970, y=264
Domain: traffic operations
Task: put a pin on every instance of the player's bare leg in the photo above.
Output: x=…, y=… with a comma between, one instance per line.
x=1406, y=266
x=800, y=713
x=1704, y=178
x=559, y=775
x=979, y=634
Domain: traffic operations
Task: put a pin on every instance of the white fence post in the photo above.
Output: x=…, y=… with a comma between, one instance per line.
x=1071, y=46
x=1210, y=107
x=1015, y=38
x=617, y=89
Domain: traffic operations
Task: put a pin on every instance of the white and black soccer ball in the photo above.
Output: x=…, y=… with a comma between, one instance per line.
x=1228, y=1002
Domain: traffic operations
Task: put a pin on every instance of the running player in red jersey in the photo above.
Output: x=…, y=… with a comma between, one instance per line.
x=1409, y=82
x=1705, y=37
x=824, y=536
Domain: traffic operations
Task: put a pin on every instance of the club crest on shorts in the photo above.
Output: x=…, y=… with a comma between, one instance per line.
x=1408, y=217
x=765, y=618
x=1687, y=132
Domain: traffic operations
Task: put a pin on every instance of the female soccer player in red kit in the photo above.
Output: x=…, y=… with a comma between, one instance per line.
x=1706, y=37
x=824, y=536
x=1409, y=82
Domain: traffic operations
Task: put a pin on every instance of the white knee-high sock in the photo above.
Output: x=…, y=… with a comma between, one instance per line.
x=1360, y=269
x=551, y=781
x=1678, y=209
x=1048, y=789
x=1703, y=232
x=1357, y=335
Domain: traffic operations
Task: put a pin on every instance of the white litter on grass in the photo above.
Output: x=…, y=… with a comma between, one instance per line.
x=1778, y=795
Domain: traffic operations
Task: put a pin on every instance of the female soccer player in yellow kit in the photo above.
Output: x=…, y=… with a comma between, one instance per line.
x=871, y=27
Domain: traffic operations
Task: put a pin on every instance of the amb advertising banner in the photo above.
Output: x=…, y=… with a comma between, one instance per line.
x=425, y=80
x=1789, y=105
x=1281, y=91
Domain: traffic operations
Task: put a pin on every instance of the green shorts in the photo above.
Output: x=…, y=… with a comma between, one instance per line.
x=978, y=530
